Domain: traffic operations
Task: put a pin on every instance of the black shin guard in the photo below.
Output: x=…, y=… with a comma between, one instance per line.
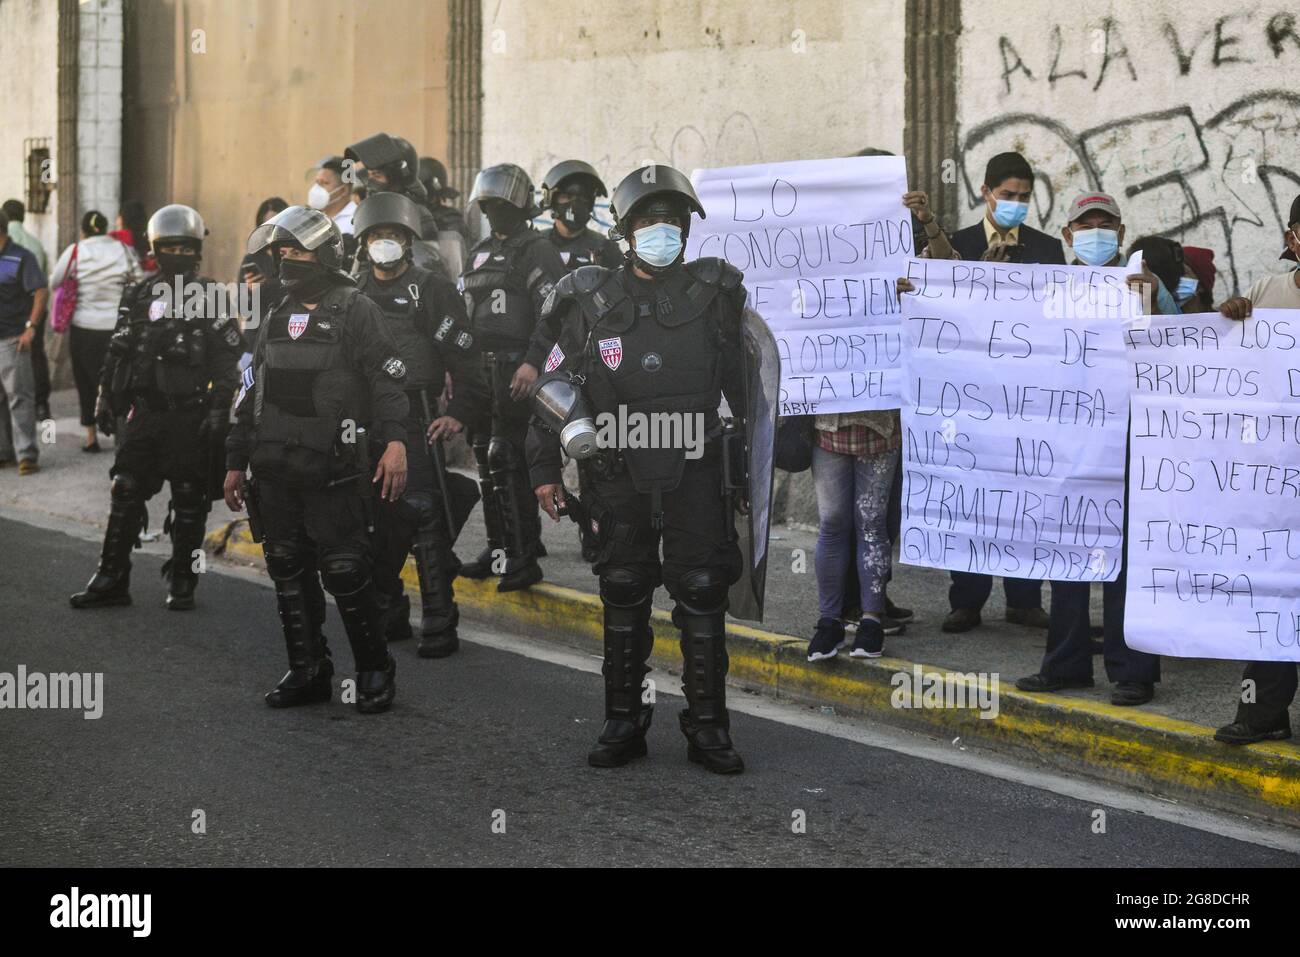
x=481, y=567
x=310, y=667
x=628, y=642
x=700, y=614
x=111, y=583
x=439, y=615
x=189, y=514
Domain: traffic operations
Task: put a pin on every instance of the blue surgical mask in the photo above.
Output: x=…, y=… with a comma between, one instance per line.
x=1095, y=247
x=1166, y=302
x=1009, y=214
x=1187, y=287
x=658, y=245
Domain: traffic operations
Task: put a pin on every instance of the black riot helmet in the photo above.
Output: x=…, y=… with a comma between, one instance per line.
x=434, y=177
x=173, y=224
x=570, y=170
x=305, y=227
x=508, y=182
x=653, y=189
x=390, y=155
x=386, y=209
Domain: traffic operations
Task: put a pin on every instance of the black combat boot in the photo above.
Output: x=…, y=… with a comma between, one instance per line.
x=705, y=721
x=310, y=667
x=628, y=643
x=112, y=582
x=438, y=612
x=481, y=567
x=376, y=668
x=523, y=532
x=188, y=517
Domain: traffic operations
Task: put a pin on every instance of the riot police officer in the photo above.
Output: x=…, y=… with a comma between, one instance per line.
x=166, y=385
x=325, y=378
x=507, y=280
x=390, y=165
x=453, y=232
x=570, y=191
x=656, y=335
x=426, y=317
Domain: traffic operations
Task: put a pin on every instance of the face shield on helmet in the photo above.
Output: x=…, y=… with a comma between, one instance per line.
x=308, y=229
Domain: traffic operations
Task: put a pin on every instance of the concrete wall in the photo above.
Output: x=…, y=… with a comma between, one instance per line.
x=1188, y=112
x=688, y=83
x=232, y=101
x=29, y=77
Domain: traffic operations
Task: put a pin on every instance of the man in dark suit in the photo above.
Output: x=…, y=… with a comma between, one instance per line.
x=1001, y=236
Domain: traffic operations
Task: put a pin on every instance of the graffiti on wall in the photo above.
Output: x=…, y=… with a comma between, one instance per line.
x=1224, y=181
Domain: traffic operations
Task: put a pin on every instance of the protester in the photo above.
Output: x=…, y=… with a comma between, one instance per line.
x=17, y=212
x=22, y=303
x=853, y=468
x=102, y=267
x=1001, y=236
x=1268, y=687
x=1093, y=236
x=1196, y=287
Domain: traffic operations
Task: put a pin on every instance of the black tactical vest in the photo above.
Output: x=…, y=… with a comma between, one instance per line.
x=400, y=302
x=658, y=349
x=577, y=251
x=495, y=285
x=160, y=357
x=307, y=394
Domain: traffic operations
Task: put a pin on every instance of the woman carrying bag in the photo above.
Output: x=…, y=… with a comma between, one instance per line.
x=88, y=282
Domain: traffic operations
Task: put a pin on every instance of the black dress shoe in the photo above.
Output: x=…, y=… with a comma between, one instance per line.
x=1043, y=683
x=961, y=619
x=441, y=645
x=180, y=592
x=376, y=689
x=1127, y=694
x=710, y=745
x=1239, y=732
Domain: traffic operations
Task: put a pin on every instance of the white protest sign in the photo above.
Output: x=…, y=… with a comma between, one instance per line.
x=1214, y=525
x=1015, y=413
x=821, y=243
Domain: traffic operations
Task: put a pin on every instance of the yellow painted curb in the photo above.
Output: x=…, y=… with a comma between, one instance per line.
x=1138, y=748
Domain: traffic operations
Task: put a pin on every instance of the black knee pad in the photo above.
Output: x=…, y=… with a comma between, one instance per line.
x=344, y=573
x=501, y=455
x=189, y=495
x=284, y=560
x=126, y=488
x=625, y=587
x=703, y=590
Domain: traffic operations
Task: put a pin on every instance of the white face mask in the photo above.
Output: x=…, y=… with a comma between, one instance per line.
x=384, y=252
x=318, y=197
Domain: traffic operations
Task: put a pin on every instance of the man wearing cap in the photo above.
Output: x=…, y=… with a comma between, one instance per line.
x=1001, y=236
x=1264, y=716
x=1093, y=236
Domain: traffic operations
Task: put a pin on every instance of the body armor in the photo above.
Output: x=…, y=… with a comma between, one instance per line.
x=306, y=393
x=501, y=320
x=159, y=357
x=588, y=248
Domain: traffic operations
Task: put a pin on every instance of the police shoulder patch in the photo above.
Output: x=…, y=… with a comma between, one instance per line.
x=395, y=369
x=555, y=358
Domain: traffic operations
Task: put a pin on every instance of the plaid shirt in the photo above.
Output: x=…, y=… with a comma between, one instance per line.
x=859, y=439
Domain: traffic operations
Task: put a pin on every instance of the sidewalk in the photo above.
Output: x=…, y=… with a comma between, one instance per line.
x=1165, y=746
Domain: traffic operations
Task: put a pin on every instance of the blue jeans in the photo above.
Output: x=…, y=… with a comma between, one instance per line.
x=852, y=509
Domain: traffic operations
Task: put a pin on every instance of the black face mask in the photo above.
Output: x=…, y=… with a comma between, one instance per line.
x=504, y=218
x=575, y=214
x=304, y=278
x=177, y=264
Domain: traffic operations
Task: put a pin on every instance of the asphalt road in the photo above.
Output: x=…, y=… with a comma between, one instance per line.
x=488, y=735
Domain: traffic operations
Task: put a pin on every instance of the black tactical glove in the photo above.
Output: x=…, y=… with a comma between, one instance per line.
x=105, y=417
